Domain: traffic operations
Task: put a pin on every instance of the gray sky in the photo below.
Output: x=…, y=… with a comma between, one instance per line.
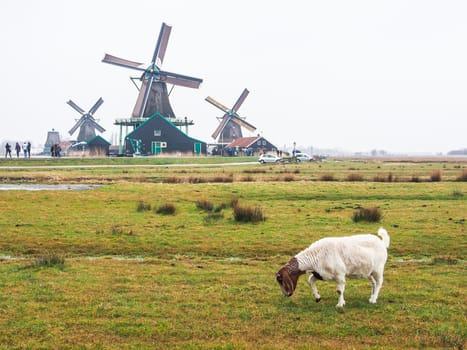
x=353, y=75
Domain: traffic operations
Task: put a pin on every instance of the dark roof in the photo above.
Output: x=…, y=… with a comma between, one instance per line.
x=243, y=141
x=161, y=117
x=94, y=139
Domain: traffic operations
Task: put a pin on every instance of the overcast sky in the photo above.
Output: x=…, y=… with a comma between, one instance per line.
x=353, y=75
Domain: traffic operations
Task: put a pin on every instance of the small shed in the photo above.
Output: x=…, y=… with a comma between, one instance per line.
x=158, y=135
x=97, y=146
x=250, y=146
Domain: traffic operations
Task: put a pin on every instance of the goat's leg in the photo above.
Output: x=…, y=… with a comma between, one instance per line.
x=311, y=281
x=340, y=281
x=373, y=287
x=378, y=277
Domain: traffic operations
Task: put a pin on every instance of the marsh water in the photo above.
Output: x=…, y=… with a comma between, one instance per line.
x=46, y=187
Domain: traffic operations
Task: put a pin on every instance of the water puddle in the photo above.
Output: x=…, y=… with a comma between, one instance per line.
x=47, y=187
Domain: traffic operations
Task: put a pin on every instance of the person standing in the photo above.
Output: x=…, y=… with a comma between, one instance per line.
x=18, y=149
x=25, y=149
x=29, y=149
x=7, y=150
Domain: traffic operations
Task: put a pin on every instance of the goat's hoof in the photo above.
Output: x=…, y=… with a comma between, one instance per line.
x=340, y=309
x=317, y=300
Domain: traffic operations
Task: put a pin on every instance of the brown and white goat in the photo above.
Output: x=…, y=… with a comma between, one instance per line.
x=334, y=259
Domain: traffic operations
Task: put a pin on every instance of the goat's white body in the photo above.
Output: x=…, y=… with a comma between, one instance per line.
x=334, y=258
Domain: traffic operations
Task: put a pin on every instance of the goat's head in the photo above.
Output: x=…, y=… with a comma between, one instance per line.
x=287, y=277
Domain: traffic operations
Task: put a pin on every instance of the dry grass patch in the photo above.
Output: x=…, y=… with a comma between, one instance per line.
x=248, y=214
x=142, y=206
x=213, y=216
x=435, y=176
x=166, y=209
x=383, y=178
x=247, y=178
x=205, y=205
x=367, y=214
x=462, y=176
x=49, y=260
x=355, y=177
x=327, y=177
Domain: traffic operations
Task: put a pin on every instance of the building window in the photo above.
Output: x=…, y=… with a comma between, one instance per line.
x=157, y=132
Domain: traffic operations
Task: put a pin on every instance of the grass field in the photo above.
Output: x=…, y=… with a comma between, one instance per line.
x=101, y=269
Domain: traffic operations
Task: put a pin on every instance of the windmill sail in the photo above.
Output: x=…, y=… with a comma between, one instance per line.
x=122, y=62
x=76, y=126
x=180, y=80
x=161, y=46
x=240, y=100
x=94, y=108
x=243, y=123
x=217, y=104
x=220, y=127
x=76, y=107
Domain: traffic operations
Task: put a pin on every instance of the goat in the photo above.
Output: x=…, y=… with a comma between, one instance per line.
x=334, y=258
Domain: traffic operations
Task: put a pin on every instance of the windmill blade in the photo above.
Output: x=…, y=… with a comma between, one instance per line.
x=180, y=80
x=217, y=104
x=76, y=107
x=143, y=96
x=137, y=110
x=161, y=46
x=240, y=100
x=146, y=94
x=221, y=126
x=122, y=62
x=96, y=106
x=95, y=125
x=243, y=123
x=77, y=125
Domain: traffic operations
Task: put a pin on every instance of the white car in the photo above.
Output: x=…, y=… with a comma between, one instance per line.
x=269, y=158
x=303, y=157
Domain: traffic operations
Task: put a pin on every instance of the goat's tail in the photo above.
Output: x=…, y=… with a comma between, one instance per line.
x=385, y=236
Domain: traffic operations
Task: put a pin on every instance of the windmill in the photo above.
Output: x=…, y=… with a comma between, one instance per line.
x=230, y=125
x=86, y=124
x=153, y=95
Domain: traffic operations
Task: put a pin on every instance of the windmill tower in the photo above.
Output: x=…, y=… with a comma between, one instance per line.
x=230, y=125
x=53, y=138
x=87, y=124
x=153, y=95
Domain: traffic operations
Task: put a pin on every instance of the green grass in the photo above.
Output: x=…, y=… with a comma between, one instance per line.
x=88, y=270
